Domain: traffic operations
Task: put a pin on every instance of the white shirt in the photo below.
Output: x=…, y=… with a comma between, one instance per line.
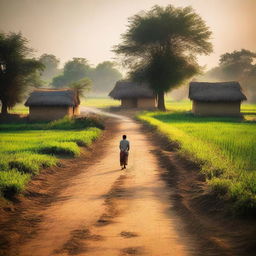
x=124, y=145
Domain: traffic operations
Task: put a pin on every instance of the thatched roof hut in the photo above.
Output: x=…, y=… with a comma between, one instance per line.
x=133, y=95
x=220, y=99
x=50, y=104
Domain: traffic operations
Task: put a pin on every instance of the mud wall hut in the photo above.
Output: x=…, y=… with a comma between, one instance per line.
x=216, y=99
x=133, y=95
x=49, y=104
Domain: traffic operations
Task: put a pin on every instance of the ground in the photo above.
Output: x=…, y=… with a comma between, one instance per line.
x=89, y=206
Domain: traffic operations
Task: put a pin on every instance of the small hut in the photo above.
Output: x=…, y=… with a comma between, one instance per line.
x=216, y=99
x=133, y=95
x=49, y=104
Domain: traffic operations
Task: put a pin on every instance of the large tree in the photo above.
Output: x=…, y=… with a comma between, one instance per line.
x=17, y=71
x=74, y=70
x=51, y=64
x=160, y=47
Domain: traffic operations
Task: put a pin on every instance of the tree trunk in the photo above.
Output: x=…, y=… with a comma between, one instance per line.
x=160, y=101
x=4, y=110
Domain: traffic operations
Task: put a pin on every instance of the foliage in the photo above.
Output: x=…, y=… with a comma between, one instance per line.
x=81, y=86
x=160, y=47
x=224, y=147
x=74, y=70
x=104, y=76
x=26, y=148
x=17, y=71
x=239, y=66
x=51, y=64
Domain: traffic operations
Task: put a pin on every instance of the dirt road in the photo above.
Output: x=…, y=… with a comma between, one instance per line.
x=104, y=211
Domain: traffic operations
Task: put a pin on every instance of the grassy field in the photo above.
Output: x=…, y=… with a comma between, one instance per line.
x=184, y=105
x=26, y=148
x=100, y=102
x=225, y=148
x=89, y=102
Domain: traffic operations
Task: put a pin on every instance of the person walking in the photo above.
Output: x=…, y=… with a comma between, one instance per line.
x=124, y=147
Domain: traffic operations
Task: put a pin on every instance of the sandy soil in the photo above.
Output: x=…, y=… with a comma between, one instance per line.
x=88, y=206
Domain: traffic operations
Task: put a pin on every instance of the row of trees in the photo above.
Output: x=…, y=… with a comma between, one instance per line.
x=160, y=47
x=103, y=76
x=19, y=72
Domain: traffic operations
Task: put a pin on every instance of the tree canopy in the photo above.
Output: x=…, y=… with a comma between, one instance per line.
x=51, y=64
x=17, y=70
x=74, y=70
x=104, y=76
x=239, y=66
x=160, y=47
x=82, y=86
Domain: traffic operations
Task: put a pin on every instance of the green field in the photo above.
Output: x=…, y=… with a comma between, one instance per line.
x=224, y=147
x=88, y=102
x=26, y=148
x=100, y=102
x=184, y=105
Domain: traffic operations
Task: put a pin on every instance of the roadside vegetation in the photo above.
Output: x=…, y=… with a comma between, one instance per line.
x=26, y=148
x=224, y=147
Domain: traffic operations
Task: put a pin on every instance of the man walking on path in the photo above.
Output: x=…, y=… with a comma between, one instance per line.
x=124, y=150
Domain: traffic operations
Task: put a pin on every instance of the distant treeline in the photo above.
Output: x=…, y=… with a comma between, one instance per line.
x=235, y=66
x=103, y=76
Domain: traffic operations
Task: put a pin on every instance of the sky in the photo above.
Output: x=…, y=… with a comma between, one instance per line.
x=90, y=28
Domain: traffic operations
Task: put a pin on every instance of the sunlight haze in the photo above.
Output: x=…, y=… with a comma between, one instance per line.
x=90, y=28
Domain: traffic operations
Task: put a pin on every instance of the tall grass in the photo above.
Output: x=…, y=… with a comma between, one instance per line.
x=225, y=147
x=26, y=148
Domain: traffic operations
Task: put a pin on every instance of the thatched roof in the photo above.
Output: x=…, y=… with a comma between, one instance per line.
x=223, y=92
x=50, y=97
x=127, y=90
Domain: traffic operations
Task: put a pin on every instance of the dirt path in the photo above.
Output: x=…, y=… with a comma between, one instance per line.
x=106, y=211
x=103, y=211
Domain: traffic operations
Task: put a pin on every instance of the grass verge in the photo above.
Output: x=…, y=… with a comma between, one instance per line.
x=27, y=148
x=224, y=147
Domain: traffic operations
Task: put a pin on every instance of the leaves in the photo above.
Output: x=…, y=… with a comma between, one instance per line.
x=160, y=46
x=16, y=68
x=81, y=86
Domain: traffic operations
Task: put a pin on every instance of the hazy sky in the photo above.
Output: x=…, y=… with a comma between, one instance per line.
x=89, y=28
